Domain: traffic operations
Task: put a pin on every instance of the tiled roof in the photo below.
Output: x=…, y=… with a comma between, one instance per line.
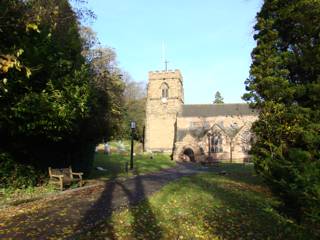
x=212, y=110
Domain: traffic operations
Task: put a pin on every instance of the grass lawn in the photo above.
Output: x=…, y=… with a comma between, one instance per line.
x=205, y=206
x=115, y=164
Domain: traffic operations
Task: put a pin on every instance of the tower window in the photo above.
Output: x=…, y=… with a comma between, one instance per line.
x=164, y=91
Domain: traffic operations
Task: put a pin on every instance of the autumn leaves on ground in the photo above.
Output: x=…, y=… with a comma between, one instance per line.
x=225, y=202
x=205, y=206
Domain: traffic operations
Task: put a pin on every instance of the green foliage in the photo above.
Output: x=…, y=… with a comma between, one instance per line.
x=135, y=108
x=284, y=85
x=106, y=80
x=12, y=196
x=50, y=104
x=135, y=111
x=54, y=103
x=15, y=175
x=121, y=100
x=218, y=99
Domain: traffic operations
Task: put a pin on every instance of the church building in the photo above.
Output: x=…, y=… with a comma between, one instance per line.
x=195, y=132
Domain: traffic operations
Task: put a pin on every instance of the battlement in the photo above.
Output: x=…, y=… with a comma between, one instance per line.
x=155, y=75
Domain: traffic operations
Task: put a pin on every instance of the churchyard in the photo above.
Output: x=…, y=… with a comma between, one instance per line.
x=159, y=199
x=224, y=201
x=116, y=163
x=112, y=165
x=234, y=205
x=218, y=170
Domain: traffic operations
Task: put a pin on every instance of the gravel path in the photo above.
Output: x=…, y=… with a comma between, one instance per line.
x=68, y=215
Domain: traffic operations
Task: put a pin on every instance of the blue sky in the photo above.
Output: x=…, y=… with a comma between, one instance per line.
x=210, y=41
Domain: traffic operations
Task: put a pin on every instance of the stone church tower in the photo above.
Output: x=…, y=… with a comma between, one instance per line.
x=164, y=101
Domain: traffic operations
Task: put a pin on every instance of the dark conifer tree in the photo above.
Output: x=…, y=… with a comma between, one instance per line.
x=284, y=84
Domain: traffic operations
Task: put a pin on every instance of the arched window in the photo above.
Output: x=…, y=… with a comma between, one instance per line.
x=246, y=140
x=164, y=90
x=216, y=143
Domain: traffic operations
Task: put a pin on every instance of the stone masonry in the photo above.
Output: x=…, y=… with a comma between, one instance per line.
x=202, y=132
x=161, y=112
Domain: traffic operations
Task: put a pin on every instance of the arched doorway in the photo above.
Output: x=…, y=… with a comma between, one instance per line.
x=189, y=152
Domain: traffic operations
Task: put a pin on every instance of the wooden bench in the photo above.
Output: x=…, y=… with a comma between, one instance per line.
x=64, y=176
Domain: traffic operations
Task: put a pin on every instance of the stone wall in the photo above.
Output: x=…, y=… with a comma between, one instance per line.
x=161, y=114
x=192, y=132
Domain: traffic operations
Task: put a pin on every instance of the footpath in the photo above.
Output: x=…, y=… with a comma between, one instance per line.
x=67, y=215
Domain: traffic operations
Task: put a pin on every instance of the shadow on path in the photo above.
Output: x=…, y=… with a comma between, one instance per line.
x=117, y=194
x=145, y=226
x=74, y=214
x=99, y=211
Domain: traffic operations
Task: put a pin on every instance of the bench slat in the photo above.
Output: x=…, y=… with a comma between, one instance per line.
x=65, y=176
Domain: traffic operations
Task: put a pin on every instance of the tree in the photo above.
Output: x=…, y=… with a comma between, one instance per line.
x=47, y=100
x=135, y=105
x=284, y=85
x=109, y=86
x=218, y=99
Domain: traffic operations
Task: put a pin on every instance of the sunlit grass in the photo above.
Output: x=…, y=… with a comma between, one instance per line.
x=115, y=164
x=205, y=206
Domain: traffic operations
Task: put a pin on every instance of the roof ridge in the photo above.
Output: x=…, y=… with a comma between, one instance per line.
x=215, y=104
x=216, y=109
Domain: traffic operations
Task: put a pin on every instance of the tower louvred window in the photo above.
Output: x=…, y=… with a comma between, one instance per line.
x=164, y=91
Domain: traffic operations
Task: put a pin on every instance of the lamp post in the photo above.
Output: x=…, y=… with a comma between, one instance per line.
x=132, y=126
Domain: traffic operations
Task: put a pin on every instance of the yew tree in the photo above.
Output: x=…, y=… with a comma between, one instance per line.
x=284, y=85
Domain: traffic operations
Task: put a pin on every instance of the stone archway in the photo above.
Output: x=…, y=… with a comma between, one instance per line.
x=189, y=152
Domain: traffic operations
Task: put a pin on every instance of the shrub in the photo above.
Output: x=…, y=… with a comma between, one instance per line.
x=16, y=175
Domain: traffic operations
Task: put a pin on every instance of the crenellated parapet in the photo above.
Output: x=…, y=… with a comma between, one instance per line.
x=169, y=74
